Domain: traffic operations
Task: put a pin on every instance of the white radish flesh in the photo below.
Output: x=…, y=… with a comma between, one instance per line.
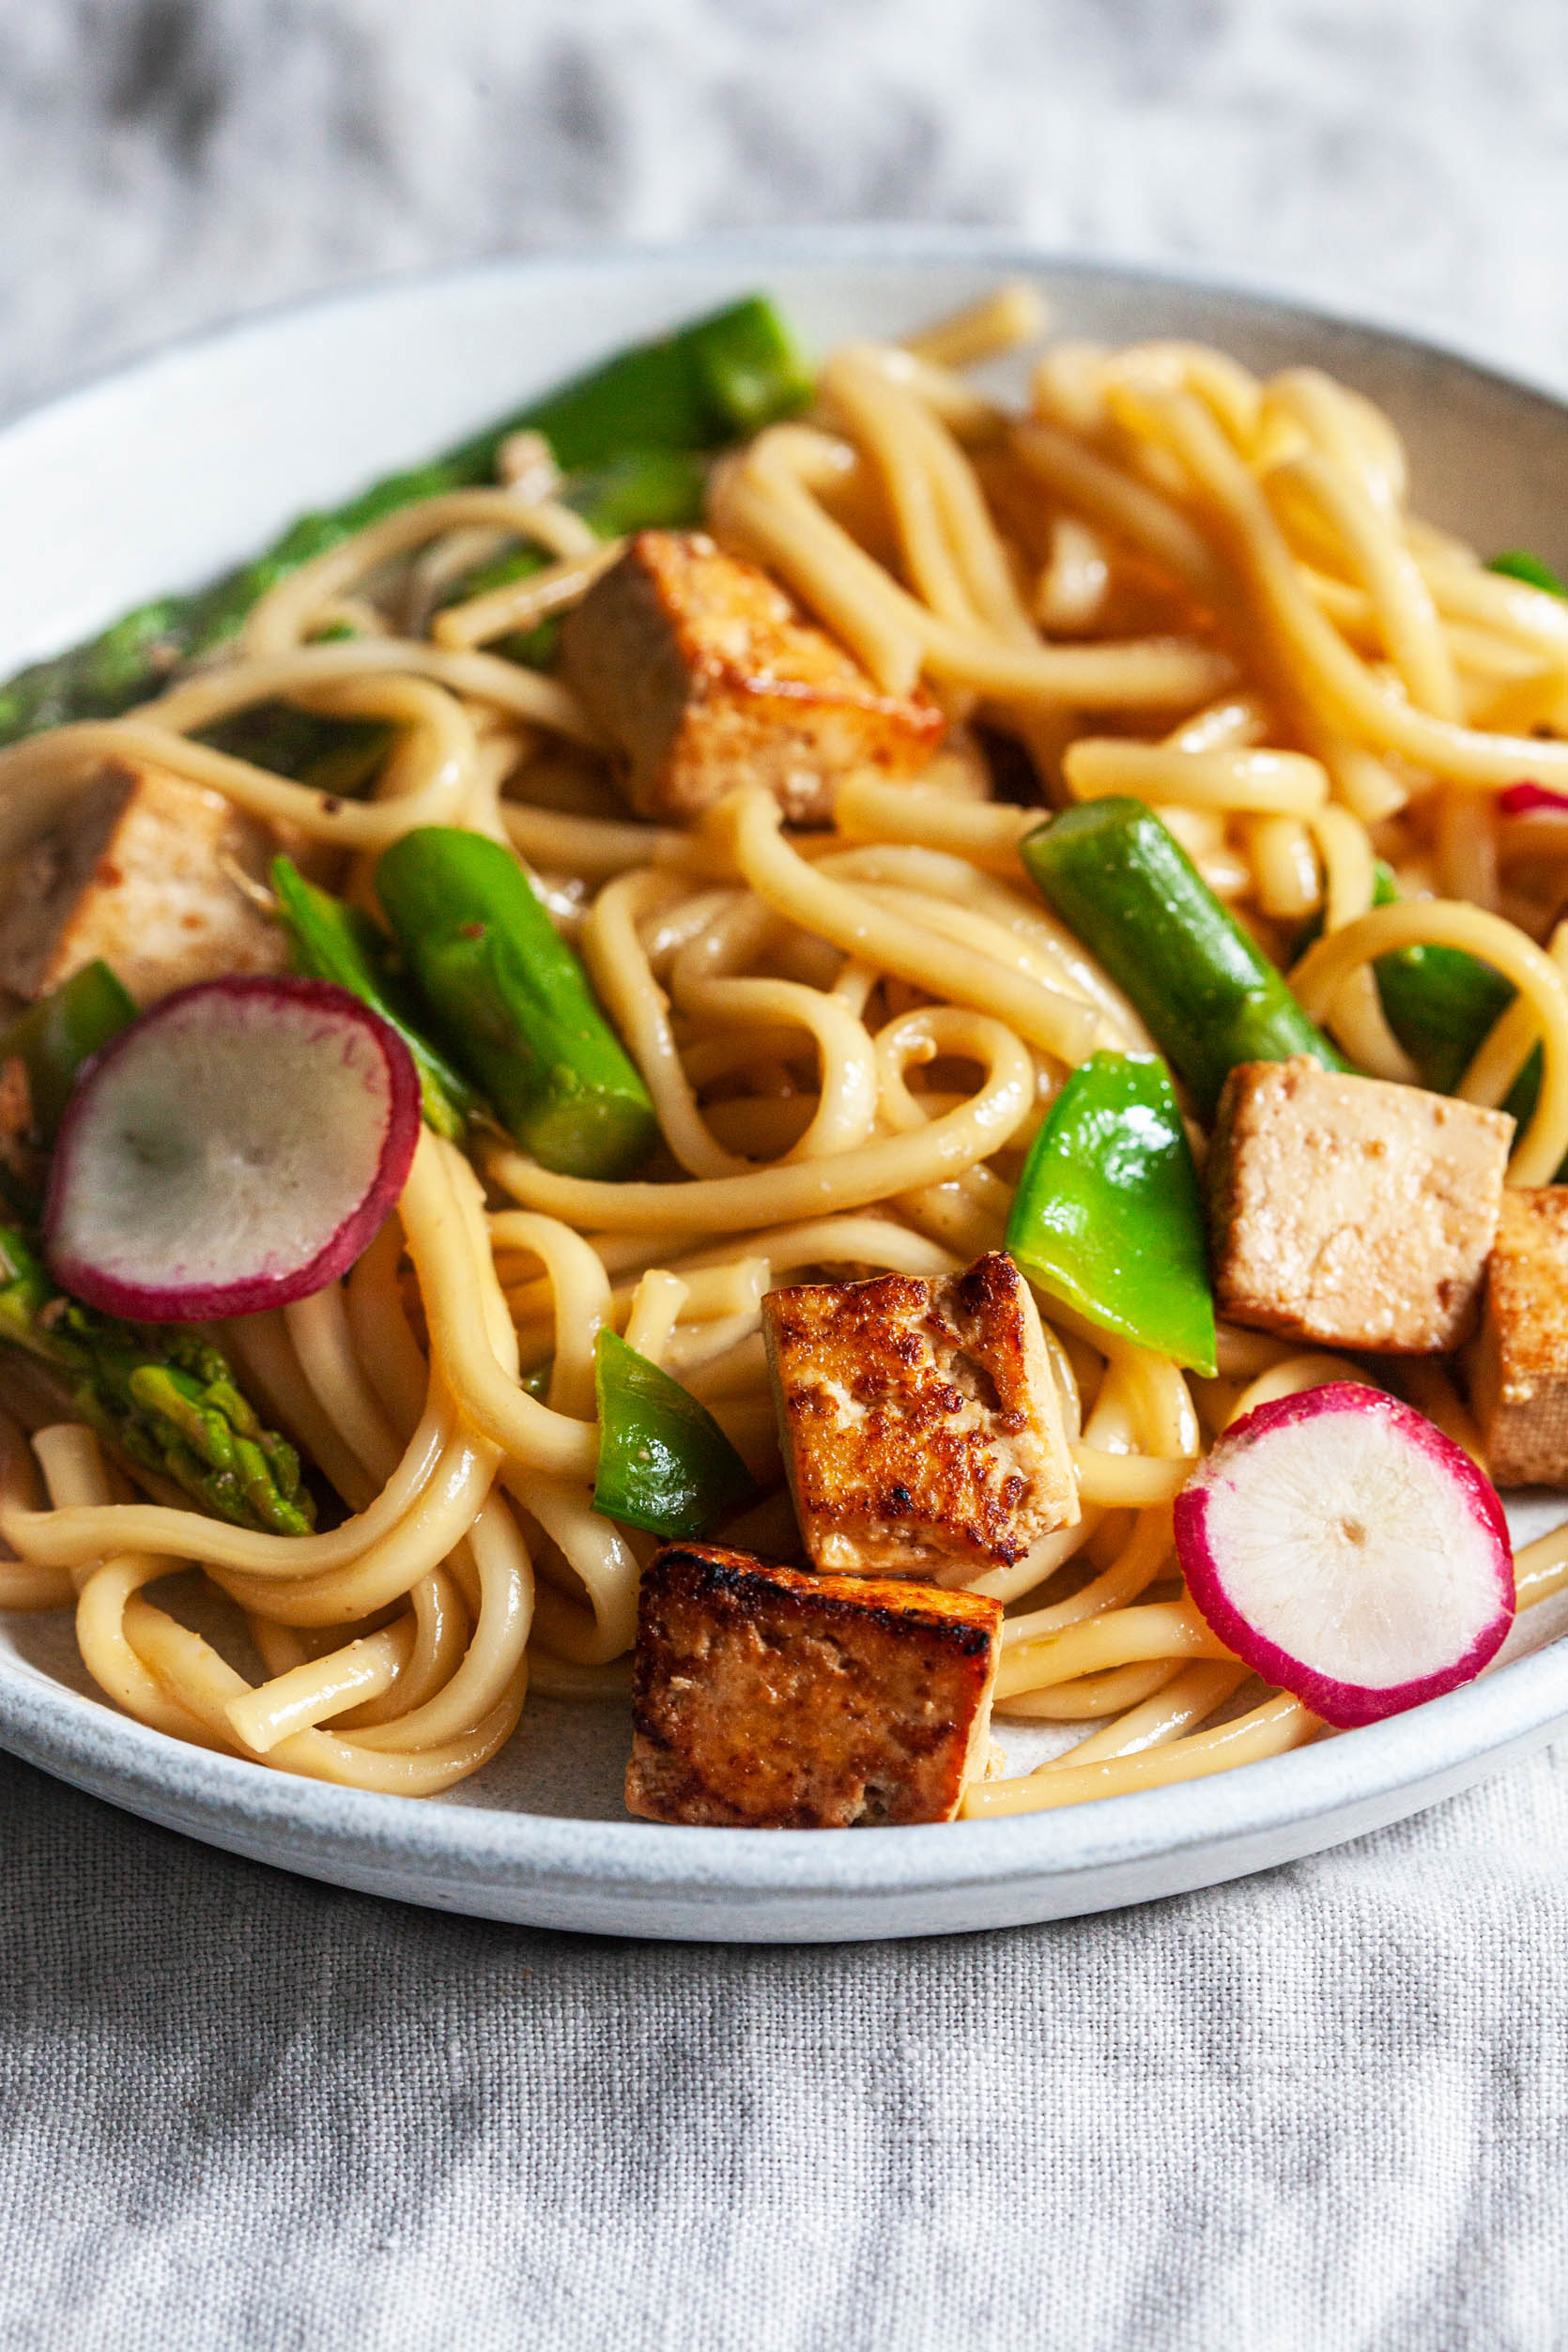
x=1349, y=1551
x=235, y=1148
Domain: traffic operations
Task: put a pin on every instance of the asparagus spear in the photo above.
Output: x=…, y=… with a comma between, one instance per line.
x=330, y=941
x=1129, y=890
x=713, y=381
x=514, y=1003
x=636, y=491
x=332, y=755
x=162, y=1395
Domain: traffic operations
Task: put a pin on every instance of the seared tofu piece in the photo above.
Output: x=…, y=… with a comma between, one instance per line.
x=21, y=1157
x=140, y=870
x=1518, y=1362
x=921, y=1428
x=703, y=674
x=1348, y=1212
x=768, y=1699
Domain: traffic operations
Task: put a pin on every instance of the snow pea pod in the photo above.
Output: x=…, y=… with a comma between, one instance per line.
x=1107, y=1214
x=663, y=1462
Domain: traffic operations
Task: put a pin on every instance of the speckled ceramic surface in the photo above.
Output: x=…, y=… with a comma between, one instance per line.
x=164, y=473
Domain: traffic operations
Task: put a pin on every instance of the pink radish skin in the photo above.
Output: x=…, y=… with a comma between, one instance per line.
x=237, y=1147
x=1336, y=1537
x=1521, y=800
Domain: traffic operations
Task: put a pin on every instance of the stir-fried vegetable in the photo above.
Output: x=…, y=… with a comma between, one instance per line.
x=514, y=1003
x=330, y=941
x=236, y=1149
x=1107, y=1216
x=1211, y=998
x=663, y=1462
x=710, y=383
x=54, y=1037
x=165, y=1398
x=1441, y=1003
x=330, y=755
x=716, y=380
x=1517, y=563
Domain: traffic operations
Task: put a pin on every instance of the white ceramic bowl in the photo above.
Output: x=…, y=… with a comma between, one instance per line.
x=166, y=473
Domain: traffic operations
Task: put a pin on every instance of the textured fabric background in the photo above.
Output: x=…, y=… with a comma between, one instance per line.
x=1324, y=2108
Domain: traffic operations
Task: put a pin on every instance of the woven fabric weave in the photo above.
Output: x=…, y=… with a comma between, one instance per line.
x=1327, y=2106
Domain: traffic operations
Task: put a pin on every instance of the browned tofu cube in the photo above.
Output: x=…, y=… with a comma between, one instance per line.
x=1518, y=1362
x=703, y=674
x=141, y=871
x=921, y=1428
x=1349, y=1213
x=21, y=1156
x=768, y=1699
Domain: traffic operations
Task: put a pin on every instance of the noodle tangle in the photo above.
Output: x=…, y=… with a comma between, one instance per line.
x=1166, y=578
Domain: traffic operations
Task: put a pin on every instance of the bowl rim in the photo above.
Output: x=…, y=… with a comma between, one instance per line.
x=1440, y=1745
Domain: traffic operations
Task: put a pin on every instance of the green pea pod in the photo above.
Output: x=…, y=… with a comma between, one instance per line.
x=663, y=1462
x=514, y=1003
x=1107, y=1215
x=329, y=941
x=1439, y=1002
x=55, y=1036
x=1517, y=563
x=1127, y=889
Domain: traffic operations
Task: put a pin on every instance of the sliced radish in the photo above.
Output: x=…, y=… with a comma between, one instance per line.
x=1349, y=1551
x=235, y=1148
x=1521, y=800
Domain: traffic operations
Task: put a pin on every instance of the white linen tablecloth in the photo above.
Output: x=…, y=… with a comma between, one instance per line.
x=1326, y=2107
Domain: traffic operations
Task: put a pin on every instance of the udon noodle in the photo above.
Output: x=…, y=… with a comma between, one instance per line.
x=1164, y=578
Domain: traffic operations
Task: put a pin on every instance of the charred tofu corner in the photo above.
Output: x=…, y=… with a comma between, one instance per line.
x=921, y=1429
x=767, y=1697
x=1519, y=1364
x=703, y=673
x=1349, y=1213
x=140, y=870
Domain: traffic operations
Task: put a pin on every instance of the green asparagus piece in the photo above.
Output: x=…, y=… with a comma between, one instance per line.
x=337, y=756
x=712, y=382
x=54, y=1037
x=514, y=1003
x=162, y=1394
x=1517, y=563
x=1123, y=884
x=329, y=941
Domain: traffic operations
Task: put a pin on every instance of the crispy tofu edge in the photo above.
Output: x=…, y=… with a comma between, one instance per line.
x=699, y=692
x=892, y=1603
x=1053, y=1434
x=1516, y=1370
